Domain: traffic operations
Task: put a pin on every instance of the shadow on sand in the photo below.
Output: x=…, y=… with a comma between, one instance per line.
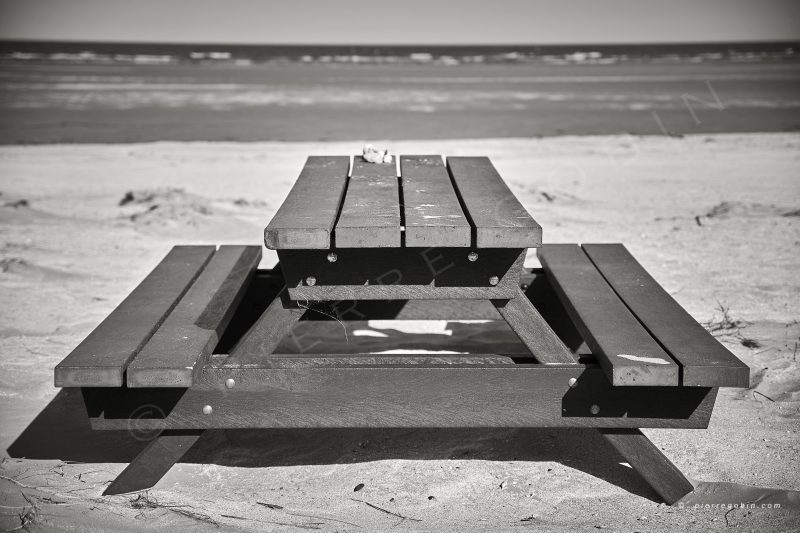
x=62, y=432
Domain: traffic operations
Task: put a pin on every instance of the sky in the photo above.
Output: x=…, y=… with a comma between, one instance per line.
x=403, y=22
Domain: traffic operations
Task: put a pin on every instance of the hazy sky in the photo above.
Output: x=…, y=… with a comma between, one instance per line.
x=403, y=22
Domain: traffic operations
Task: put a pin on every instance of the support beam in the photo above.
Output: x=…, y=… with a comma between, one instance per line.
x=532, y=330
x=271, y=327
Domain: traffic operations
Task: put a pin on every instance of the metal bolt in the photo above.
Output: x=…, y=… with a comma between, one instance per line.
x=594, y=409
x=332, y=257
x=524, y=286
x=494, y=280
x=311, y=281
x=207, y=410
x=472, y=256
x=573, y=383
x=230, y=383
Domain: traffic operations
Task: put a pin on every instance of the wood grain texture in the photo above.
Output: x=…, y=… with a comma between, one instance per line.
x=644, y=457
x=370, y=215
x=533, y=331
x=194, y=327
x=703, y=360
x=153, y=462
x=101, y=359
x=628, y=354
x=499, y=219
x=401, y=273
x=268, y=331
x=433, y=214
x=307, y=215
x=406, y=396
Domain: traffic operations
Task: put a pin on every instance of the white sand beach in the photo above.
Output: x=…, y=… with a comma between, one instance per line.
x=714, y=218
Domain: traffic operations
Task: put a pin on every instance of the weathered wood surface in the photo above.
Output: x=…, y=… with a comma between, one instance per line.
x=628, y=354
x=703, y=360
x=499, y=219
x=370, y=215
x=418, y=396
x=644, y=457
x=404, y=273
x=267, y=332
x=100, y=360
x=194, y=327
x=308, y=214
x=433, y=214
x=153, y=462
x=528, y=324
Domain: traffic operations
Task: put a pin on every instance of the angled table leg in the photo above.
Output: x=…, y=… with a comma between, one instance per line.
x=644, y=457
x=153, y=462
x=533, y=331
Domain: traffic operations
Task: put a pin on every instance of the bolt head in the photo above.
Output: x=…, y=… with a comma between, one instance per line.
x=472, y=256
x=573, y=383
x=230, y=383
x=494, y=280
x=594, y=409
x=332, y=257
x=207, y=410
x=311, y=281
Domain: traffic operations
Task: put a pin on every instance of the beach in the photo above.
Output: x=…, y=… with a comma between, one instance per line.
x=714, y=217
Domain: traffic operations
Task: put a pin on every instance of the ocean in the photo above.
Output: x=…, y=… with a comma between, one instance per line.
x=120, y=92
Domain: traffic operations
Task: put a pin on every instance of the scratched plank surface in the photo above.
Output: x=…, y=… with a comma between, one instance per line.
x=627, y=353
x=193, y=328
x=500, y=220
x=704, y=361
x=306, y=217
x=100, y=360
x=370, y=216
x=433, y=214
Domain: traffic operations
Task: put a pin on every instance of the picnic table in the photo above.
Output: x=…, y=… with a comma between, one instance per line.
x=192, y=347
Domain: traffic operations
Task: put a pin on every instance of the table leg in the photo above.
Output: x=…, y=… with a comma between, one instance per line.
x=644, y=457
x=153, y=462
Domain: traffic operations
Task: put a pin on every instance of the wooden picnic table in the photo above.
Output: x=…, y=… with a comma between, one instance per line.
x=417, y=238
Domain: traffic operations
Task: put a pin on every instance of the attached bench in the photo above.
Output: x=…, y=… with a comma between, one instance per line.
x=192, y=347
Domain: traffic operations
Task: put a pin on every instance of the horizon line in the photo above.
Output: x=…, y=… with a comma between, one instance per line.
x=408, y=45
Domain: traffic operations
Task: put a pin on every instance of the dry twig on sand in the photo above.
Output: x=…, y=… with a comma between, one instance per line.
x=381, y=509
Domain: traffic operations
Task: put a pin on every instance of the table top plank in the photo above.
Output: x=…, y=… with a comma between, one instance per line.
x=704, y=361
x=101, y=359
x=370, y=215
x=433, y=214
x=189, y=334
x=499, y=218
x=306, y=218
x=625, y=350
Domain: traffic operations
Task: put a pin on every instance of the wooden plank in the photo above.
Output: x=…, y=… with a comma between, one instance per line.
x=499, y=219
x=703, y=360
x=307, y=215
x=153, y=462
x=402, y=273
x=644, y=457
x=533, y=331
x=407, y=396
x=433, y=214
x=100, y=360
x=268, y=331
x=370, y=216
x=193, y=328
x=628, y=354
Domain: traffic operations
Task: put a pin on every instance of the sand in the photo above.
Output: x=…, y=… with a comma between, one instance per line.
x=715, y=218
